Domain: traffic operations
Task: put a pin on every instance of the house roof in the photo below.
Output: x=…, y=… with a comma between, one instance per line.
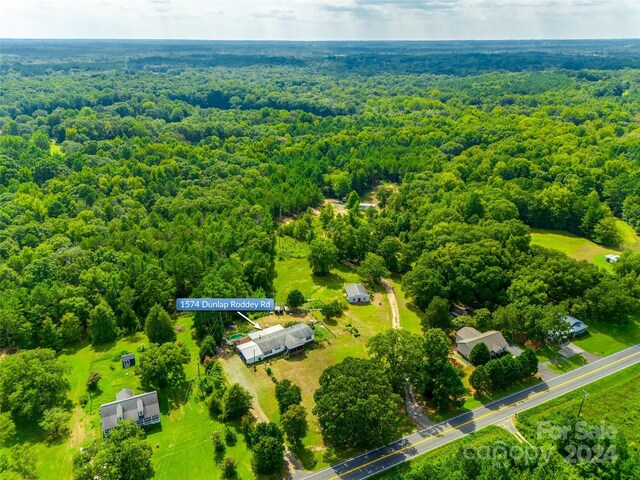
x=355, y=289
x=264, y=332
x=127, y=406
x=124, y=394
x=492, y=339
x=574, y=322
x=249, y=350
x=127, y=356
x=466, y=333
x=295, y=336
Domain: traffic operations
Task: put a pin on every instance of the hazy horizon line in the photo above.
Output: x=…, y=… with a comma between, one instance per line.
x=539, y=39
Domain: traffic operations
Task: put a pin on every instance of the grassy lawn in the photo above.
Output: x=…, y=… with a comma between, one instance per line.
x=583, y=249
x=605, y=339
x=181, y=444
x=614, y=400
x=576, y=247
x=568, y=364
x=629, y=236
x=484, y=436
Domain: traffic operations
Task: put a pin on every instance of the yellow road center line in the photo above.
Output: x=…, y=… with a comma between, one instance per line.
x=475, y=419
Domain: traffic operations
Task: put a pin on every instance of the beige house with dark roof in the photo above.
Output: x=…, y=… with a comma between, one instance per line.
x=469, y=337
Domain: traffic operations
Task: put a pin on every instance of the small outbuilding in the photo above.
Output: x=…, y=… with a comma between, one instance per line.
x=611, y=258
x=356, y=293
x=128, y=360
x=367, y=206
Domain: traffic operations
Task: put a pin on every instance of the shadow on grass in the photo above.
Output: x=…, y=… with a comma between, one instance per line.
x=330, y=281
x=305, y=455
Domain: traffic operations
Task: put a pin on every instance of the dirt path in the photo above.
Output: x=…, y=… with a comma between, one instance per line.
x=235, y=370
x=391, y=295
x=413, y=408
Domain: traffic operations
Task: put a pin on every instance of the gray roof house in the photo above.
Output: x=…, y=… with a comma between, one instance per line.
x=143, y=409
x=277, y=340
x=469, y=337
x=356, y=293
x=577, y=326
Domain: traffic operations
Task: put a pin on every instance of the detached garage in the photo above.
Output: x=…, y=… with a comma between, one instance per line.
x=356, y=293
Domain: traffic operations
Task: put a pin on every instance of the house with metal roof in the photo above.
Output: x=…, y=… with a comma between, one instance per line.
x=356, y=293
x=144, y=409
x=275, y=340
x=469, y=337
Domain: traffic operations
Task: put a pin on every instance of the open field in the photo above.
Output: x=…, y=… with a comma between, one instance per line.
x=614, y=400
x=630, y=238
x=181, y=444
x=485, y=436
x=583, y=249
x=576, y=247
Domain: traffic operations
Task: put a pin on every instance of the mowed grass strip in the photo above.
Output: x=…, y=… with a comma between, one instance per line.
x=614, y=399
x=571, y=363
x=485, y=436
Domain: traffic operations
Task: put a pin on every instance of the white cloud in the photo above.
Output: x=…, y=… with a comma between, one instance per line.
x=320, y=19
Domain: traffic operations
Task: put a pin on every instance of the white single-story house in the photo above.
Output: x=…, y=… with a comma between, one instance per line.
x=356, y=293
x=273, y=341
x=611, y=258
x=578, y=327
x=144, y=409
x=367, y=206
x=469, y=337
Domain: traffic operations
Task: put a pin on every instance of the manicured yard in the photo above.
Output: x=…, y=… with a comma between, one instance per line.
x=605, y=339
x=485, y=436
x=181, y=445
x=568, y=364
x=614, y=400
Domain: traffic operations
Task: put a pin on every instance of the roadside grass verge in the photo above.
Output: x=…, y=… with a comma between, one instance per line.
x=614, y=399
x=485, y=436
x=571, y=363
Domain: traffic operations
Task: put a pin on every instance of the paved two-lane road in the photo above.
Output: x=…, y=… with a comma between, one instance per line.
x=406, y=448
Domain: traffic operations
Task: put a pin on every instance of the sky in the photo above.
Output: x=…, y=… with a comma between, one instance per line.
x=320, y=19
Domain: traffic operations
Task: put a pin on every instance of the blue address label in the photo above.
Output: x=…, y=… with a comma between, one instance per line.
x=225, y=304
